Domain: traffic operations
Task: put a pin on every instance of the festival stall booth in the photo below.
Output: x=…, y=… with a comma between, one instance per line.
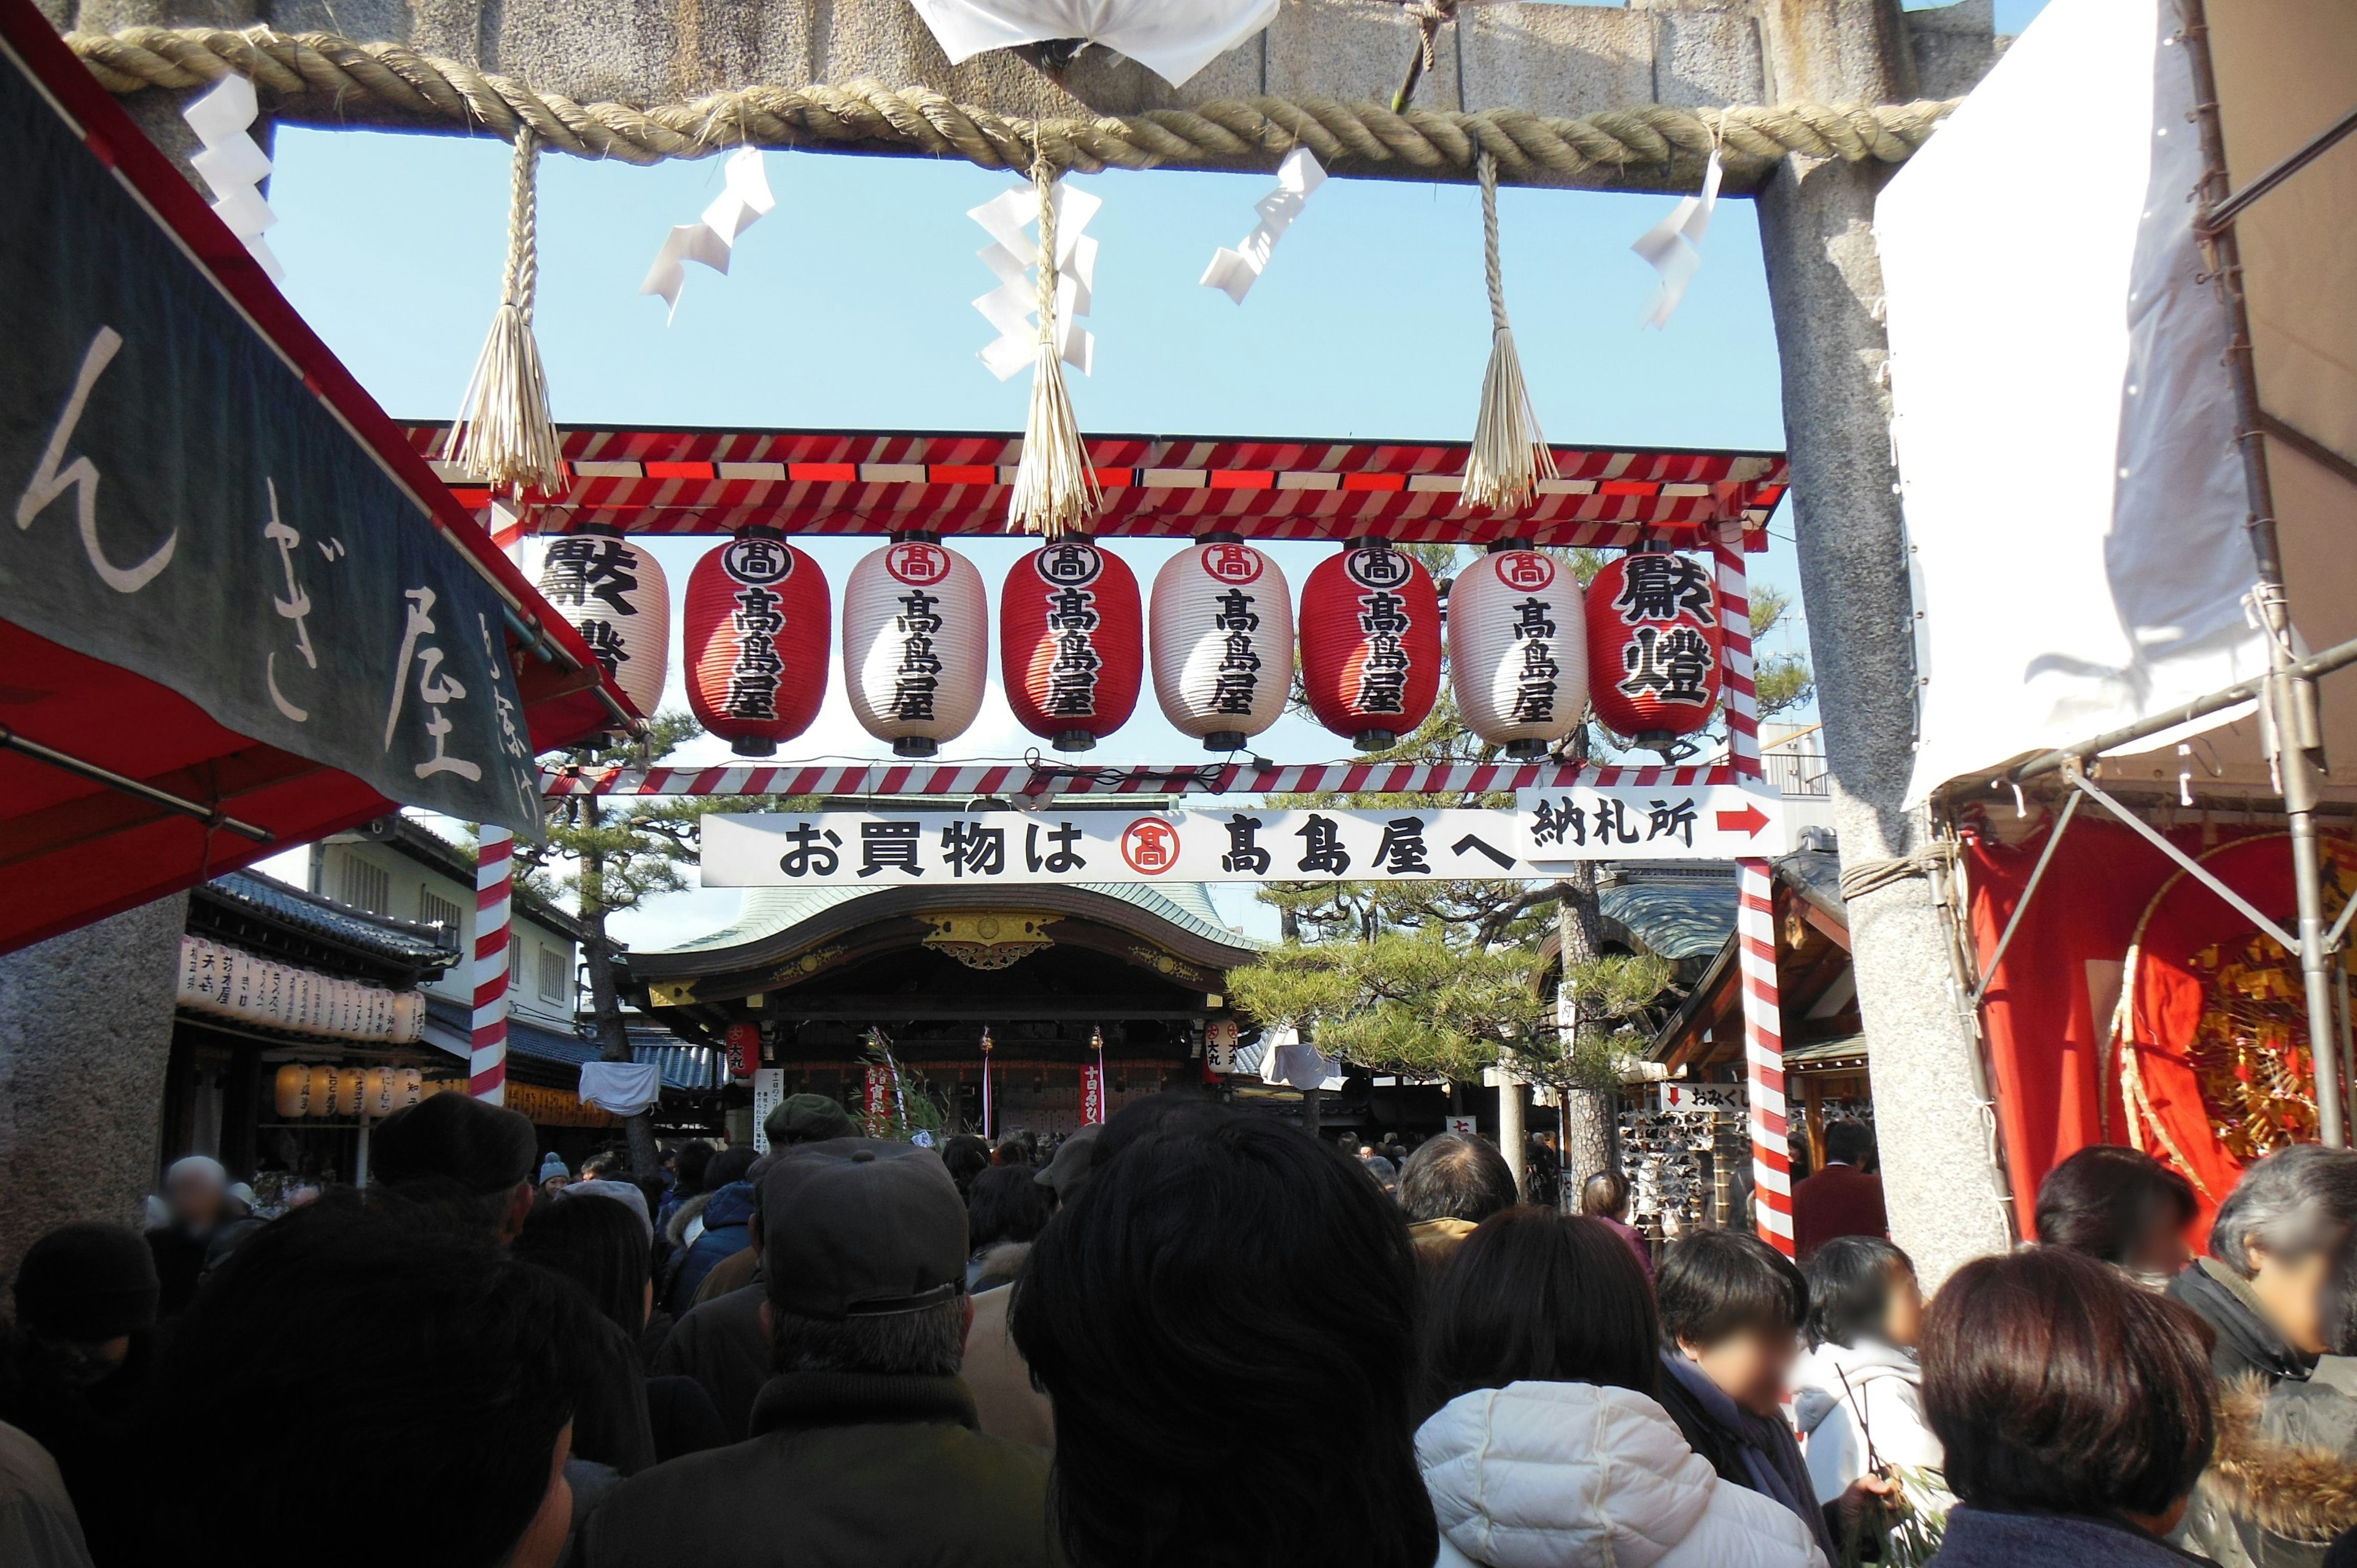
x=237, y=611
x=2130, y=722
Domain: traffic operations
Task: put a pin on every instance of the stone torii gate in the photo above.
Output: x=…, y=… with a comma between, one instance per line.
x=1820, y=100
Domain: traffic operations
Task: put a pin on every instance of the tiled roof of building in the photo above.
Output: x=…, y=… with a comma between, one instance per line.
x=766, y=911
x=684, y=1066
x=403, y=941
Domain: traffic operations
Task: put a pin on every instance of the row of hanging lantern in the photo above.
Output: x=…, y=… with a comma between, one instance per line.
x=1526, y=653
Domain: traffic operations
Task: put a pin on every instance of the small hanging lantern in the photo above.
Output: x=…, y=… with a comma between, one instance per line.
x=1070, y=637
x=1518, y=649
x=293, y=1091
x=614, y=595
x=1370, y=643
x=759, y=621
x=1653, y=646
x=743, y=1042
x=1223, y=636
x=916, y=643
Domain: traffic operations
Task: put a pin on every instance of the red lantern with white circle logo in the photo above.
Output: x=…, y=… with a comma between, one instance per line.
x=1370, y=643
x=614, y=595
x=1653, y=646
x=1222, y=632
x=759, y=621
x=743, y=1044
x=916, y=644
x=1071, y=642
x=1518, y=650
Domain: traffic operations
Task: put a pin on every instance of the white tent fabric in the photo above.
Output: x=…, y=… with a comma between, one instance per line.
x=623, y=1087
x=1173, y=39
x=2063, y=427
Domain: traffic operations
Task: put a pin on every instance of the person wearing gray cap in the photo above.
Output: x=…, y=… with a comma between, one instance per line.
x=864, y=1448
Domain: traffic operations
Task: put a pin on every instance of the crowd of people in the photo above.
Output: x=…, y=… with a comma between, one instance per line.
x=1190, y=1336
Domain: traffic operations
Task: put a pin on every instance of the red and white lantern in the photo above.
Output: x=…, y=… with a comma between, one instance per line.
x=1071, y=642
x=1370, y=643
x=1518, y=650
x=759, y=621
x=1653, y=646
x=916, y=644
x=614, y=595
x=1222, y=637
x=743, y=1044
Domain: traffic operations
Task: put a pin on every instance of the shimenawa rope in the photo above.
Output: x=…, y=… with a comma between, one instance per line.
x=503, y=430
x=1510, y=453
x=321, y=78
x=1055, y=490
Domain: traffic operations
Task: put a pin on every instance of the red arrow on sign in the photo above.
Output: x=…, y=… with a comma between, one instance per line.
x=1747, y=822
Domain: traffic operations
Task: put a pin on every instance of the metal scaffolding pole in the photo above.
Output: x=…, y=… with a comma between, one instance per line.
x=2289, y=700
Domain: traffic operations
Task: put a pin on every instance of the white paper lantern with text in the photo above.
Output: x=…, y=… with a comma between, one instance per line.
x=614, y=595
x=916, y=644
x=1220, y=639
x=1518, y=650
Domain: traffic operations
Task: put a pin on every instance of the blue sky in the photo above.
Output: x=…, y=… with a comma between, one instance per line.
x=850, y=306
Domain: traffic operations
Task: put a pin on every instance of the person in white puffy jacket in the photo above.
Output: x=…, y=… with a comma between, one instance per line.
x=1858, y=1395
x=1548, y=1449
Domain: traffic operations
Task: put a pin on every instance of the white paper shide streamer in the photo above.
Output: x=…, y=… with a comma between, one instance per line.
x=1013, y=256
x=233, y=166
x=712, y=239
x=1234, y=272
x=1674, y=246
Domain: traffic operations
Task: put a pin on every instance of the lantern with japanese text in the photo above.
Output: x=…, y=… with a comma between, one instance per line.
x=1071, y=642
x=1370, y=643
x=1223, y=638
x=916, y=644
x=758, y=626
x=1518, y=650
x=1653, y=646
x=293, y=1091
x=743, y=1043
x=614, y=595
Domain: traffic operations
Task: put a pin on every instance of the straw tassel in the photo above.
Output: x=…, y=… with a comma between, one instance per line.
x=1055, y=489
x=503, y=431
x=1510, y=452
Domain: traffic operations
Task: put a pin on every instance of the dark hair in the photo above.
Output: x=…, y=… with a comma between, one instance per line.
x=1005, y=1204
x=690, y=1167
x=927, y=1343
x=458, y=1156
x=1604, y=1195
x=730, y=1165
x=1849, y=1289
x=1454, y=1176
x=966, y=1157
x=2295, y=1203
x=352, y=1341
x=1849, y=1143
x=1715, y=1283
x=599, y=1244
x=1017, y=1149
x=1538, y=1296
x=2056, y=1386
x=2104, y=1198
x=1125, y=1312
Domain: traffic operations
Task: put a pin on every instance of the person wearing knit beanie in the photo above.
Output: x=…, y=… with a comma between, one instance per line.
x=470, y=1160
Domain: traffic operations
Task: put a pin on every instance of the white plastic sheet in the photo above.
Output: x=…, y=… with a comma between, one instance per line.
x=2063, y=425
x=623, y=1087
x=1173, y=39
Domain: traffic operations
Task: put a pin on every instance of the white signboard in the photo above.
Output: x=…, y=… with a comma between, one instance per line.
x=768, y=1092
x=1728, y=1099
x=949, y=849
x=1464, y=1124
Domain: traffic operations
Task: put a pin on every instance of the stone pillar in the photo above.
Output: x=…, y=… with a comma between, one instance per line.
x=85, y=1028
x=1824, y=282
x=1513, y=1142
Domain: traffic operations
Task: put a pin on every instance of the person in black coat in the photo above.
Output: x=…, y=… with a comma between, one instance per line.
x=2271, y=1248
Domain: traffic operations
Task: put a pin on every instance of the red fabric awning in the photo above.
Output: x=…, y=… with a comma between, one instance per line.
x=705, y=481
x=75, y=849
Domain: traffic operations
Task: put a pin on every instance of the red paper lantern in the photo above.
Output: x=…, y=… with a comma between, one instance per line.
x=1370, y=643
x=744, y=1046
x=1653, y=647
x=758, y=623
x=1071, y=643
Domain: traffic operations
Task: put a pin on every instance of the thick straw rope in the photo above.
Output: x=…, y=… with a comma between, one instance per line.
x=1055, y=489
x=1510, y=453
x=321, y=78
x=503, y=430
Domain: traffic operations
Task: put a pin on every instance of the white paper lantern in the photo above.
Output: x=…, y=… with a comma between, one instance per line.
x=916, y=644
x=1220, y=632
x=614, y=594
x=380, y=1087
x=293, y=1091
x=1518, y=650
x=412, y=1088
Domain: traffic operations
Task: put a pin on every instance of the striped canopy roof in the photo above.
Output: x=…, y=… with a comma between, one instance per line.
x=705, y=481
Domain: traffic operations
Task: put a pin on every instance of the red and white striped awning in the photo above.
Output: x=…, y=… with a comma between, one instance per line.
x=686, y=481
